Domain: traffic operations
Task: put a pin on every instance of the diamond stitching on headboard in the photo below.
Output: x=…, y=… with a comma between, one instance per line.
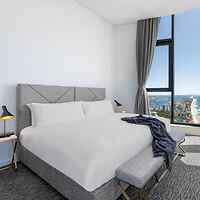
x=89, y=94
x=48, y=100
x=95, y=96
x=63, y=95
x=39, y=93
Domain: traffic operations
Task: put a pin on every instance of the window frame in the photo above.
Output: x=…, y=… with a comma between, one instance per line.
x=170, y=43
x=170, y=88
x=165, y=42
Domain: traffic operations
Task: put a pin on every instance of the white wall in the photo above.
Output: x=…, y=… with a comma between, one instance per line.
x=56, y=42
x=125, y=74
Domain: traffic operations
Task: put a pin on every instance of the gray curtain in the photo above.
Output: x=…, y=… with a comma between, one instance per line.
x=147, y=31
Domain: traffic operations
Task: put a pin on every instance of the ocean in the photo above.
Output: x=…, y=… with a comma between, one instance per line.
x=159, y=100
x=198, y=104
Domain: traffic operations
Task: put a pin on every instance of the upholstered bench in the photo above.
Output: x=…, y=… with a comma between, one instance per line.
x=142, y=167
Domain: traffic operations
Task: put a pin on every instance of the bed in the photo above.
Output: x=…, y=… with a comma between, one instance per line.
x=76, y=164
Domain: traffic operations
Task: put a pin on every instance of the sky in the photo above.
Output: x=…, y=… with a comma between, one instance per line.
x=186, y=54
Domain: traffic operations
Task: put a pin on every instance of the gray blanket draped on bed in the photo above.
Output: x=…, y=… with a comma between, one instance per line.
x=162, y=144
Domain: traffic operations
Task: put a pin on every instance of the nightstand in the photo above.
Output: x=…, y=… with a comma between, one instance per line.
x=13, y=139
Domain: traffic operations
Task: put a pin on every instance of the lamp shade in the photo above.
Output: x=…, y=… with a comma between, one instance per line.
x=118, y=104
x=6, y=114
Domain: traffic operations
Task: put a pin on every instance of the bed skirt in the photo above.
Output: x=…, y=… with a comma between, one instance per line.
x=65, y=185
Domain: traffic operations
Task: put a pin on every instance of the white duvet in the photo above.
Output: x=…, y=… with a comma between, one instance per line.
x=90, y=150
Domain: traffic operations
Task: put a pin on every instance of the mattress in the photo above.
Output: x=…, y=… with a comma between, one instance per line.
x=90, y=150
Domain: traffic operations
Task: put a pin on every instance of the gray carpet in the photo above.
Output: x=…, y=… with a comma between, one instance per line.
x=182, y=184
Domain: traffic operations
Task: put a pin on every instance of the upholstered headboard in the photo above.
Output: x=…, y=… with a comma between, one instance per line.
x=27, y=93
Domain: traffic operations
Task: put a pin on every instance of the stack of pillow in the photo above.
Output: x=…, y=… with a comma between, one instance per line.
x=47, y=113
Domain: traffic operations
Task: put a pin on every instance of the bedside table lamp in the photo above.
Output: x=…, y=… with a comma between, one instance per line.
x=5, y=115
x=119, y=105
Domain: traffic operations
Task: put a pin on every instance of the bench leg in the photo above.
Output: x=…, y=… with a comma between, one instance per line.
x=126, y=195
x=183, y=154
x=157, y=182
x=141, y=189
x=123, y=191
x=156, y=178
x=140, y=192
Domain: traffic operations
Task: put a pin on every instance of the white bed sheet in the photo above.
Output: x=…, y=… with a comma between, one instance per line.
x=90, y=150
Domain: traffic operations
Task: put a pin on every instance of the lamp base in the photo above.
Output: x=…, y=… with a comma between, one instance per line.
x=6, y=135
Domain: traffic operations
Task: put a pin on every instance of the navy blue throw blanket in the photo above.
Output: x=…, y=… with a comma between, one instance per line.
x=162, y=145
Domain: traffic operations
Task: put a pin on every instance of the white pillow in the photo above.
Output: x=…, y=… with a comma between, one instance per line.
x=96, y=108
x=45, y=113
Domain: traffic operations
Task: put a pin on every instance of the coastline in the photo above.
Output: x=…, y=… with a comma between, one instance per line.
x=194, y=111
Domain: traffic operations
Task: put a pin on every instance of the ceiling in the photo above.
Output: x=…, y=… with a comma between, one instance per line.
x=127, y=11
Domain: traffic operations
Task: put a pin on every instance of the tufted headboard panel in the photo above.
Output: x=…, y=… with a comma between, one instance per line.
x=27, y=93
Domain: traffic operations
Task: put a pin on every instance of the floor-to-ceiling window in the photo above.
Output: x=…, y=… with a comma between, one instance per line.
x=174, y=81
x=187, y=66
x=160, y=83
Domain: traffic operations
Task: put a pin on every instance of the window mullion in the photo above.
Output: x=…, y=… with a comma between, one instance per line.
x=171, y=74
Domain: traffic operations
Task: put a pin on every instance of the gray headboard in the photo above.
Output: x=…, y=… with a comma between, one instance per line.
x=27, y=93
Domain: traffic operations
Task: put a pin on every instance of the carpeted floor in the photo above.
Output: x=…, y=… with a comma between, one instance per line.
x=182, y=184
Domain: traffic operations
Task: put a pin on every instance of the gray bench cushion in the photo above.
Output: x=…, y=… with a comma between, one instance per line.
x=140, y=168
x=177, y=136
